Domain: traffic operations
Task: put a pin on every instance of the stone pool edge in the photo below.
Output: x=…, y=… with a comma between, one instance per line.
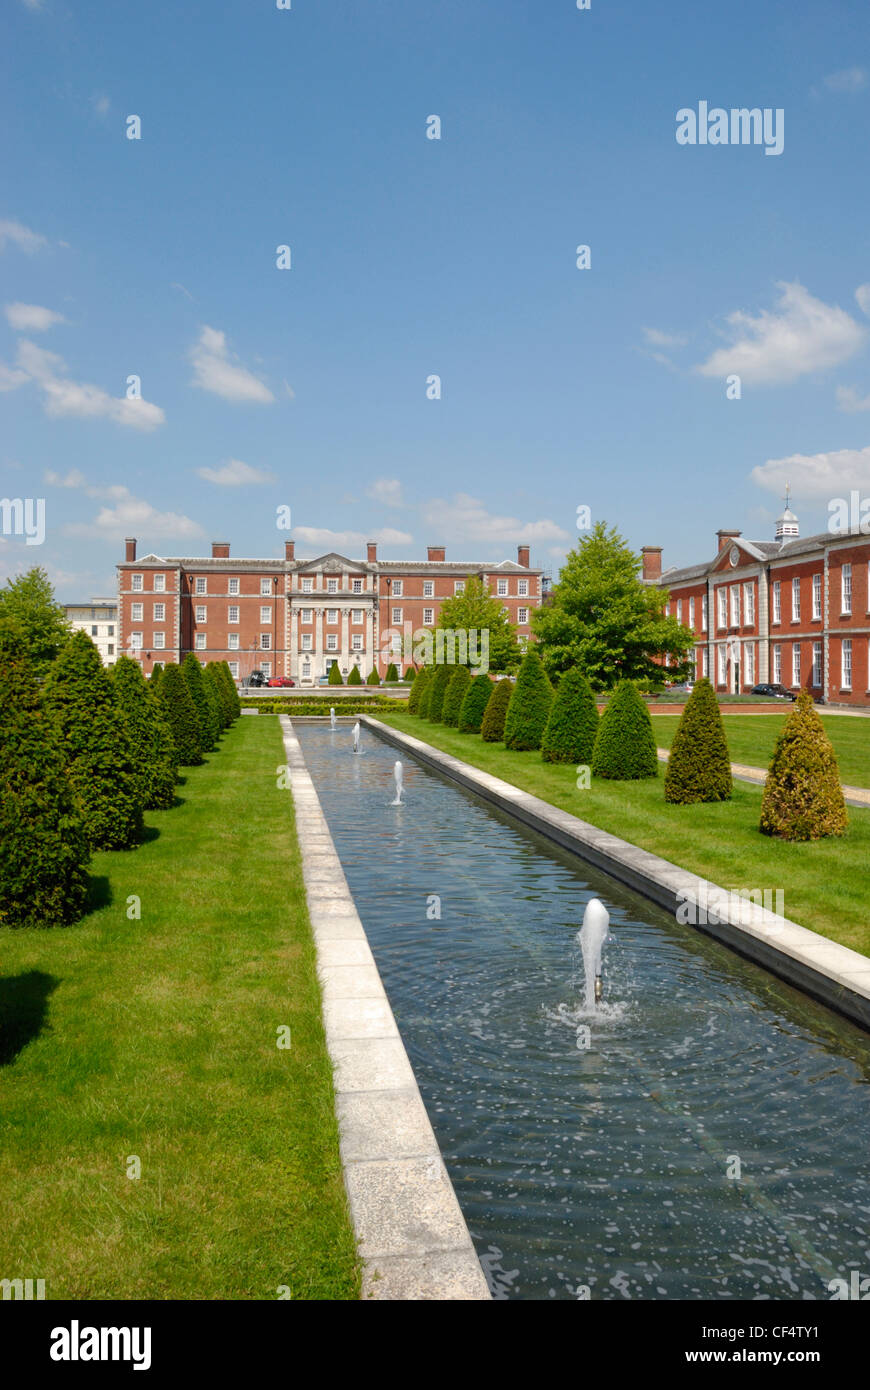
x=834, y=974
x=409, y=1227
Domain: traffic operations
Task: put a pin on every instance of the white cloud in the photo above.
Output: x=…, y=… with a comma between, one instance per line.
x=19, y=235
x=101, y=104
x=816, y=476
x=234, y=473
x=11, y=378
x=803, y=335
x=849, y=400
x=862, y=294
x=73, y=478
x=128, y=515
x=321, y=540
x=846, y=80
x=64, y=396
x=214, y=371
x=387, y=491
x=466, y=518
x=31, y=318
x=659, y=339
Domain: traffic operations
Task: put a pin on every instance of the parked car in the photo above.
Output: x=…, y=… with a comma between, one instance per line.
x=774, y=690
x=688, y=686
x=256, y=678
x=281, y=680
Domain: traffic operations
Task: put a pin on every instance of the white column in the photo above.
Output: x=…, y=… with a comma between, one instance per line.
x=344, y=655
x=369, y=658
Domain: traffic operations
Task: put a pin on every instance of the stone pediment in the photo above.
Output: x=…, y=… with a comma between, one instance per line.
x=332, y=561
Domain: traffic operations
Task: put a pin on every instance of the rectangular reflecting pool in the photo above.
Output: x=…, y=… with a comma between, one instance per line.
x=708, y=1138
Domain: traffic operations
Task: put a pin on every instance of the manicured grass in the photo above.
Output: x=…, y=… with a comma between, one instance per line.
x=158, y=1038
x=751, y=739
x=826, y=884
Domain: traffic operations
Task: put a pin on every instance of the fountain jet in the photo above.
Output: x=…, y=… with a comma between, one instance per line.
x=356, y=737
x=332, y=716
x=397, y=778
x=592, y=936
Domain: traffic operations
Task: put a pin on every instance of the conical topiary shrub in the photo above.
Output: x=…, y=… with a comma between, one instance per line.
x=335, y=676
x=573, y=723
x=208, y=728
x=80, y=697
x=455, y=694
x=373, y=678
x=150, y=737
x=474, y=705
x=181, y=716
x=492, y=724
x=440, y=681
x=530, y=704
x=625, y=747
x=215, y=697
x=154, y=678
x=43, y=845
x=699, y=768
x=235, y=704
x=392, y=672
x=354, y=677
x=803, y=798
x=218, y=671
x=425, y=697
x=420, y=682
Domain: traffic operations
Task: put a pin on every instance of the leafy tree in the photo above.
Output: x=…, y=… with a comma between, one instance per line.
x=181, y=715
x=492, y=724
x=152, y=748
x=573, y=723
x=699, y=768
x=27, y=603
x=803, y=798
x=43, y=846
x=421, y=680
x=373, y=678
x=354, y=677
x=335, y=674
x=440, y=681
x=529, y=708
x=80, y=696
x=392, y=673
x=474, y=704
x=208, y=729
x=603, y=618
x=478, y=609
x=625, y=747
x=454, y=695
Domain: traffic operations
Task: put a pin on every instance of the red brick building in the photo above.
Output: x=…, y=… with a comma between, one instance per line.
x=791, y=611
x=295, y=617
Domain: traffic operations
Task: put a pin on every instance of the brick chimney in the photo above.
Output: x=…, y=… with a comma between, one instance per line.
x=220, y=550
x=289, y=550
x=651, y=556
x=372, y=555
x=130, y=547
x=523, y=556
x=435, y=552
x=726, y=537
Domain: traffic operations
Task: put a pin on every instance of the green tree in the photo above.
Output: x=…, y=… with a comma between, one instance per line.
x=474, y=704
x=699, y=768
x=425, y=695
x=80, y=697
x=529, y=708
x=803, y=797
x=215, y=695
x=335, y=674
x=392, y=672
x=454, y=695
x=625, y=746
x=603, y=618
x=235, y=704
x=421, y=680
x=354, y=677
x=208, y=730
x=573, y=723
x=27, y=603
x=492, y=724
x=150, y=737
x=43, y=846
x=373, y=678
x=440, y=681
x=477, y=609
x=181, y=715
x=154, y=678
x=217, y=672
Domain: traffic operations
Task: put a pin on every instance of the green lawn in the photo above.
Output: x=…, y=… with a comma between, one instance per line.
x=751, y=738
x=157, y=1038
x=826, y=883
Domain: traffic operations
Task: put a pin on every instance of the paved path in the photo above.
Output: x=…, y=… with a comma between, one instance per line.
x=855, y=796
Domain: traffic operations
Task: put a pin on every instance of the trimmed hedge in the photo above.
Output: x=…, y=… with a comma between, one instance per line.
x=492, y=724
x=803, y=797
x=373, y=678
x=80, y=696
x=573, y=723
x=474, y=705
x=392, y=673
x=234, y=703
x=625, y=747
x=154, y=678
x=300, y=709
x=438, y=689
x=354, y=677
x=530, y=705
x=421, y=680
x=181, y=716
x=43, y=845
x=426, y=697
x=455, y=694
x=209, y=729
x=699, y=768
x=150, y=737
x=335, y=676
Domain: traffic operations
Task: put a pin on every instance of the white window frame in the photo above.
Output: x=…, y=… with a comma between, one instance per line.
x=356, y=642
x=522, y=588
x=428, y=588
x=136, y=643
x=817, y=598
x=398, y=588
x=776, y=676
x=160, y=583
x=796, y=664
x=818, y=657
x=233, y=585
x=428, y=617
x=356, y=615
x=201, y=584
x=199, y=641
x=703, y=612
x=795, y=599
x=846, y=593
x=396, y=616
x=734, y=603
x=332, y=586
x=266, y=668
x=136, y=612
x=721, y=667
x=522, y=616
x=722, y=606
x=305, y=615
x=459, y=586
x=232, y=613
x=332, y=616
x=777, y=601
x=199, y=613
x=137, y=583
x=501, y=588
x=749, y=663
x=265, y=587
x=159, y=641
x=749, y=605
x=846, y=664
x=705, y=661
x=357, y=586
x=692, y=614
x=265, y=641
x=332, y=641
x=232, y=641
x=234, y=670
x=160, y=613
x=679, y=610
x=306, y=584
x=265, y=613
x=307, y=639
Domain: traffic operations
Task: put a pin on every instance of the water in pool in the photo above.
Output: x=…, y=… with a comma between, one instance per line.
x=607, y=1171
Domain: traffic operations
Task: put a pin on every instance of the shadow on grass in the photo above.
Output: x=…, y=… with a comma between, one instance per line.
x=23, y=1010
x=99, y=893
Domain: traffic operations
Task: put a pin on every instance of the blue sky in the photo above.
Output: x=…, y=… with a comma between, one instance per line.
x=411, y=257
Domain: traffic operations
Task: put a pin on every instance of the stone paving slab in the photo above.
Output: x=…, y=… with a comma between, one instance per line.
x=409, y=1227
